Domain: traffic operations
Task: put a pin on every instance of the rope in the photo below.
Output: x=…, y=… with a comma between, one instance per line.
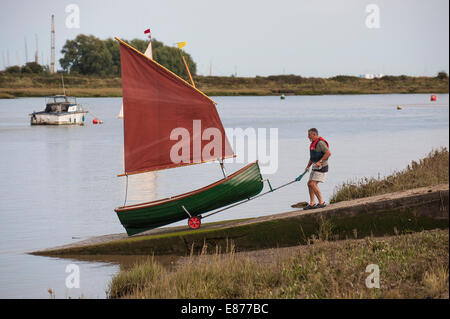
x=254, y=197
x=126, y=192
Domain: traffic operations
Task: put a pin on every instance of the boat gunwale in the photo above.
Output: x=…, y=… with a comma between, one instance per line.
x=184, y=195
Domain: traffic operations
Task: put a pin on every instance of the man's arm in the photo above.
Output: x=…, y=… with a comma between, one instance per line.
x=324, y=158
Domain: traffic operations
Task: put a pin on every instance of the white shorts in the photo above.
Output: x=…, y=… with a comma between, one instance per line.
x=317, y=176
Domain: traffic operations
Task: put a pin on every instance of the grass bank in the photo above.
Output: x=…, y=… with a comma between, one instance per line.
x=410, y=266
x=428, y=171
x=28, y=85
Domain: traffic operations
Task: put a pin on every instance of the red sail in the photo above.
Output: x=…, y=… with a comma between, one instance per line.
x=167, y=122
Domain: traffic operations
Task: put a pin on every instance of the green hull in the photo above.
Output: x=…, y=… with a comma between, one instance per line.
x=241, y=185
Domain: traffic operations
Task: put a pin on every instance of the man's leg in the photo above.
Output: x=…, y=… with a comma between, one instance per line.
x=316, y=191
x=312, y=201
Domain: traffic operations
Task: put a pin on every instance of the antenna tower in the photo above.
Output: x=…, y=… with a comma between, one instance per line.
x=52, y=51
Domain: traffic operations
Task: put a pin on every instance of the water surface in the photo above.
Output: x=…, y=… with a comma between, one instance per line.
x=59, y=185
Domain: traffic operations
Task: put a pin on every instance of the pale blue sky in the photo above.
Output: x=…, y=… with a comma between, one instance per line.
x=309, y=38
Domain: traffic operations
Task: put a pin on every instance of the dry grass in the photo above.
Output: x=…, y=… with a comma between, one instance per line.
x=429, y=171
x=411, y=266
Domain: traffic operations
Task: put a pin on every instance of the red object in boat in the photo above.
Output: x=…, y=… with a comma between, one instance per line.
x=433, y=98
x=95, y=121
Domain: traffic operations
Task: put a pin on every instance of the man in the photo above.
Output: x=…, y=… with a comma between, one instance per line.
x=319, y=154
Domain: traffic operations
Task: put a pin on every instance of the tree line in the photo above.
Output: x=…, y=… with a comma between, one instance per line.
x=89, y=55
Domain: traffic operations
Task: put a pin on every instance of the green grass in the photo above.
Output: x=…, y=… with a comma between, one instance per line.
x=411, y=266
x=431, y=170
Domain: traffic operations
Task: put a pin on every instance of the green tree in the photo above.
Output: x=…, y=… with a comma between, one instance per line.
x=442, y=75
x=90, y=55
x=34, y=67
x=114, y=49
x=86, y=55
x=13, y=69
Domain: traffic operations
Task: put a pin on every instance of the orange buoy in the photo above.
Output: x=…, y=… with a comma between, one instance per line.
x=95, y=121
x=433, y=97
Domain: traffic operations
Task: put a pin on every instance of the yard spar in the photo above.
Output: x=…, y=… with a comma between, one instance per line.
x=158, y=108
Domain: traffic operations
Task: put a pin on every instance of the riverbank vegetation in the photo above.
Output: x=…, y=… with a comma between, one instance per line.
x=429, y=171
x=411, y=266
x=18, y=84
x=91, y=68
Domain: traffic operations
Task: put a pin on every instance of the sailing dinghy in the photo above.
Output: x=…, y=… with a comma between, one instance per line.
x=158, y=108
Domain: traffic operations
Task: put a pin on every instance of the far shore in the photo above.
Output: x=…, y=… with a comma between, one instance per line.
x=38, y=85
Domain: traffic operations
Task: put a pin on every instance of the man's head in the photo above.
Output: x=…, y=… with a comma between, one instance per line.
x=313, y=134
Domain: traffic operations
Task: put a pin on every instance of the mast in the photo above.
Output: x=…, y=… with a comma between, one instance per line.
x=52, y=48
x=26, y=50
x=189, y=73
x=36, y=55
x=180, y=46
x=64, y=88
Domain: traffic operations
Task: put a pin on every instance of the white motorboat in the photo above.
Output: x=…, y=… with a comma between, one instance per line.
x=59, y=110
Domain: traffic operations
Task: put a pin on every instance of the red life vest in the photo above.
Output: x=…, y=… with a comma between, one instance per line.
x=312, y=147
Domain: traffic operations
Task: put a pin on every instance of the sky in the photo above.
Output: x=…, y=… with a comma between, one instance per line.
x=320, y=38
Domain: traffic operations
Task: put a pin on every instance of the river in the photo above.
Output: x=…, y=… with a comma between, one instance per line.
x=59, y=185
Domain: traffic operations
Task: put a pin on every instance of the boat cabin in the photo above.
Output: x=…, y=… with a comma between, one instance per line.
x=61, y=104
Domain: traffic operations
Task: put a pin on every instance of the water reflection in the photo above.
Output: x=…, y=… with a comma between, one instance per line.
x=141, y=187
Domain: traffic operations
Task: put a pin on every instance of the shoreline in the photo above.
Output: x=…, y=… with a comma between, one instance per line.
x=117, y=92
x=36, y=85
x=394, y=213
x=6, y=94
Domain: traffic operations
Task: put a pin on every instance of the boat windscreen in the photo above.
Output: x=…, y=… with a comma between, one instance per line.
x=57, y=107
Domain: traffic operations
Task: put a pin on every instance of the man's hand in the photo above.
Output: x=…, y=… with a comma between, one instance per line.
x=317, y=164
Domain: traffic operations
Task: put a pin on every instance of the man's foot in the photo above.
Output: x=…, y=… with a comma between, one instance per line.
x=310, y=206
x=321, y=205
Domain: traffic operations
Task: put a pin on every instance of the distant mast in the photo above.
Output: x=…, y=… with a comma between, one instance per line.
x=52, y=49
x=26, y=50
x=147, y=53
x=36, y=55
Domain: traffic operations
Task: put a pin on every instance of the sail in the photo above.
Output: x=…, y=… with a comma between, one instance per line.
x=120, y=115
x=148, y=53
x=167, y=122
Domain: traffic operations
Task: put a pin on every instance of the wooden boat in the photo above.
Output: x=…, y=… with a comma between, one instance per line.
x=156, y=105
x=239, y=186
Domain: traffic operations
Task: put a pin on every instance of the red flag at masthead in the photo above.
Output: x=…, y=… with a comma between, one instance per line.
x=149, y=34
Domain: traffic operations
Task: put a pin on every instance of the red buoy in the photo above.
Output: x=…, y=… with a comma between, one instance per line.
x=433, y=97
x=95, y=121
